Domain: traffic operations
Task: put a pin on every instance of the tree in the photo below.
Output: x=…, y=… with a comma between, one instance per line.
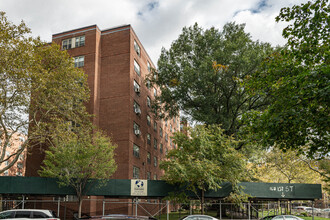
x=30, y=68
x=77, y=160
x=297, y=79
x=285, y=167
x=200, y=74
x=203, y=160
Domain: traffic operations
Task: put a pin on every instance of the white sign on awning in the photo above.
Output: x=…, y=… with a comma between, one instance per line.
x=139, y=187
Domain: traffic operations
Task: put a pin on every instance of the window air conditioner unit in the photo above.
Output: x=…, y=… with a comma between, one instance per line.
x=137, y=132
x=137, y=89
x=137, y=111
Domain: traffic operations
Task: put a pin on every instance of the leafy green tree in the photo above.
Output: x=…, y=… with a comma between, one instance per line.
x=77, y=160
x=200, y=75
x=285, y=167
x=298, y=81
x=322, y=167
x=203, y=160
x=30, y=68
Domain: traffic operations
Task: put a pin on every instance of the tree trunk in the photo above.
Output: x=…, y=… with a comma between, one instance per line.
x=202, y=202
x=80, y=205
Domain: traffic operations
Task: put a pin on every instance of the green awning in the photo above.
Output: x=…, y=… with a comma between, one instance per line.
x=156, y=188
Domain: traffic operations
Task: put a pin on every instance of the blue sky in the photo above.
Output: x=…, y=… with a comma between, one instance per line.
x=156, y=22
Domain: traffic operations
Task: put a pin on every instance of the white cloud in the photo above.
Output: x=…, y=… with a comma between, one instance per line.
x=156, y=22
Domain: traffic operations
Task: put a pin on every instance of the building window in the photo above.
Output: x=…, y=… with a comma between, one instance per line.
x=155, y=161
x=155, y=92
x=136, y=172
x=136, y=150
x=148, y=83
x=155, y=143
x=80, y=41
x=149, y=67
x=137, y=68
x=148, y=175
x=136, y=87
x=155, y=126
x=73, y=42
x=155, y=176
x=148, y=101
x=149, y=139
x=160, y=131
x=136, y=129
x=148, y=120
x=19, y=165
x=137, y=48
x=19, y=173
x=166, y=137
x=149, y=158
x=161, y=148
x=79, y=61
x=67, y=44
x=137, y=108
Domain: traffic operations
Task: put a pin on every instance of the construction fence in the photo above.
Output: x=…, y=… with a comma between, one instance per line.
x=66, y=207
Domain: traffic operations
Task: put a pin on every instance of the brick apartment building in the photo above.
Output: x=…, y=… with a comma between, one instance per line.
x=117, y=65
x=18, y=169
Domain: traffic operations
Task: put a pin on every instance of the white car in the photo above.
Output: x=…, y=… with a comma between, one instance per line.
x=286, y=217
x=29, y=214
x=198, y=217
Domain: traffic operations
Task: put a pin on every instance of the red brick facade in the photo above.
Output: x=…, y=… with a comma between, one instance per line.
x=109, y=58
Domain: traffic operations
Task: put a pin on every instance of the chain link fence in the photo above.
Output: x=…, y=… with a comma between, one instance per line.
x=66, y=207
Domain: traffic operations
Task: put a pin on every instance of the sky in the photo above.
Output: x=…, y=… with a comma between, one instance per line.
x=157, y=23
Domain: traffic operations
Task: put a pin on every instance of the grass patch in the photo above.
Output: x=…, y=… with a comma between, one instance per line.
x=315, y=218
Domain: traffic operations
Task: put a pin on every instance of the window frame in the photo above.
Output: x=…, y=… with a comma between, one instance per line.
x=155, y=126
x=155, y=161
x=79, y=41
x=136, y=172
x=155, y=92
x=78, y=62
x=137, y=67
x=161, y=147
x=155, y=144
x=136, y=151
x=136, y=108
x=137, y=48
x=136, y=127
x=136, y=87
x=160, y=131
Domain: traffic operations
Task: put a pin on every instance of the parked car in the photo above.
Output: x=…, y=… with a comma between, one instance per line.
x=29, y=214
x=303, y=208
x=310, y=209
x=269, y=217
x=117, y=217
x=198, y=217
x=286, y=217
